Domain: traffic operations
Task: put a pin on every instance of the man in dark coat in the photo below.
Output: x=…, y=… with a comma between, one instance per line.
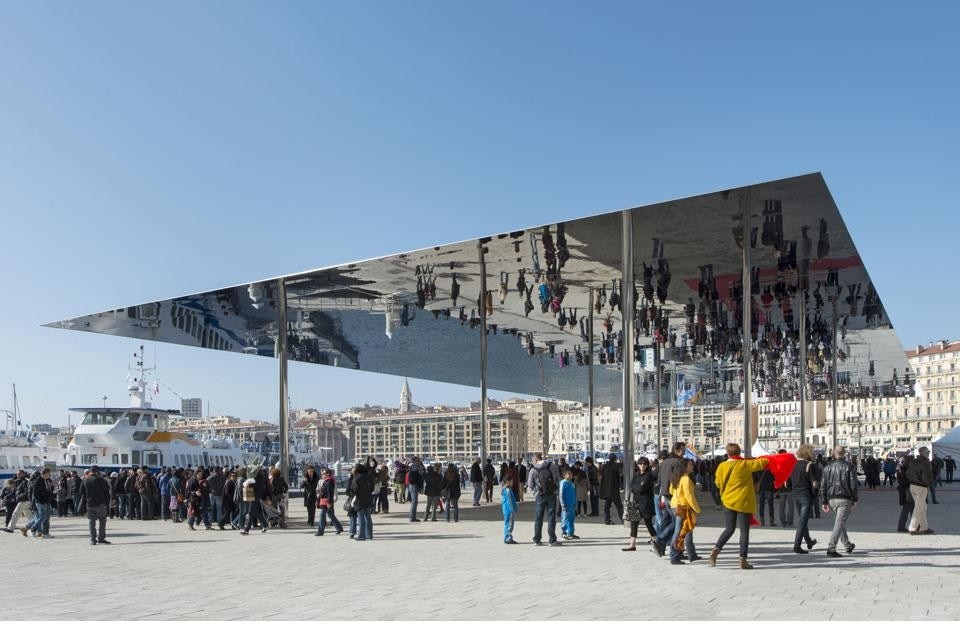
x=96, y=491
x=610, y=482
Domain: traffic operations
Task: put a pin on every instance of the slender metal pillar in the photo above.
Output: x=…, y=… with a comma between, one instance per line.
x=482, y=251
x=803, y=366
x=627, y=309
x=282, y=356
x=593, y=447
x=658, y=378
x=834, y=347
x=747, y=319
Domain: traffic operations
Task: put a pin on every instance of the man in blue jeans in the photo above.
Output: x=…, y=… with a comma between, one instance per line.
x=414, y=485
x=544, y=482
x=666, y=526
x=43, y=498
x=476, y=478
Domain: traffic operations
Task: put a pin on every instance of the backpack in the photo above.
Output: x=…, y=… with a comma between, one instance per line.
x=548, y=487
x=415, y=478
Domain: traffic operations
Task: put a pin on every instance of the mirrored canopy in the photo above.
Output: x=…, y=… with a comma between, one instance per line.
x=417, y=314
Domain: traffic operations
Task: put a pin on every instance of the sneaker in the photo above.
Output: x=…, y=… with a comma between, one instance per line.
x=7, y=530
x=851, y=547
x=696, y=558
x=93, y=543
x=538, y=543
x=677, y=563
x=511, y=542
x=31, y=534
x=573, y=536
x=833, y=554
x=799, y=550
x=38, y=536
x=555, y=544
x=658, y=549
x=812, y=543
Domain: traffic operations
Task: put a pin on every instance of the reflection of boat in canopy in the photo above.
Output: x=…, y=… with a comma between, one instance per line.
x=139, y=435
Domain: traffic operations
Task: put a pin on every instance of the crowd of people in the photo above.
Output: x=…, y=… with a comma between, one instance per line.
x=661, y=495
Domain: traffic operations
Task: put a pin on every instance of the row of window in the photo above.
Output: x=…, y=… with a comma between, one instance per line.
x=18, y=461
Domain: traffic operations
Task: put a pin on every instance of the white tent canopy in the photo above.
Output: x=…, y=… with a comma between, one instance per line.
x=948, y=444
x=758, y=451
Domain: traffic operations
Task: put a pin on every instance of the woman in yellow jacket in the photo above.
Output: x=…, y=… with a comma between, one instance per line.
x=683, y=501
x=734, y=479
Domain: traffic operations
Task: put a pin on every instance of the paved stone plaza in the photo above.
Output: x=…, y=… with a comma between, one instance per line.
x=463, y=571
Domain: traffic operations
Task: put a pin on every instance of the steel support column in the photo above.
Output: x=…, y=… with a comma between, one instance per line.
x=627, y=310
x=282, y=357
x=803, y=365
x=834, y=346
x=747, y=321
x=481, y=302
x=590, y=352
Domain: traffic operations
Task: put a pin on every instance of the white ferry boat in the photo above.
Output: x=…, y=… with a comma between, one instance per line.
x=19, y=449
x=139, y=435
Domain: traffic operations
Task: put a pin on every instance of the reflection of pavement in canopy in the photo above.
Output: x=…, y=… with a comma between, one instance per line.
x=416, y=314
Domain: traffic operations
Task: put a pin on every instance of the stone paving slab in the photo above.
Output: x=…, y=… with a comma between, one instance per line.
x=161, y=570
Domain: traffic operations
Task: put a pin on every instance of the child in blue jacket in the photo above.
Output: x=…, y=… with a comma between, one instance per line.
x=568, y=504
x=509, y=506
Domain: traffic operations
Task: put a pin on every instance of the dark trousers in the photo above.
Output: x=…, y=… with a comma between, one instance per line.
x=732, y=520
x=648, y=522
x=766, y=501
x=146, y=507
x=546, y=508
x=906, y=512
x=803, y=506
x=97, y=516
x=254, y=516
x=133, y=506
x=330, y=512
x=383, y=500
x=606, y=507
x=61, y=508
x=311, y=512
x=594, y=502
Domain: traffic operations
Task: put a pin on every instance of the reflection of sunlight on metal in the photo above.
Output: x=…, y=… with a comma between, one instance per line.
x=335, y=312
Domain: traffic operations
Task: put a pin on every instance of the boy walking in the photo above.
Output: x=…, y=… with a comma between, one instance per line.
x=509, y=505
x=568, y=505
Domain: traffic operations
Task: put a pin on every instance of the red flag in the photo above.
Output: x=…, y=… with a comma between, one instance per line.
x=781, y=465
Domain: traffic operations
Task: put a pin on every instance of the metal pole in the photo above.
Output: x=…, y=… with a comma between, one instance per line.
x=659, y=379
x=834, y=347
x=282, y=355
x=803, y=366
x=481, y=250
x=593, y=447
x=747, y=308
x=627, y=311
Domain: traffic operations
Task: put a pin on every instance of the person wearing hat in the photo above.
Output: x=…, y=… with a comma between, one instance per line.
x=920, y=478
x=96, y=491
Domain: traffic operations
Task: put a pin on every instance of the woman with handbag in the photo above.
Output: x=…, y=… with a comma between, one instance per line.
x=639, y=505
x=326, y=498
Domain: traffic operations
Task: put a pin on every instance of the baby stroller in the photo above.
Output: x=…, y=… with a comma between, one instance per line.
x=274, y=516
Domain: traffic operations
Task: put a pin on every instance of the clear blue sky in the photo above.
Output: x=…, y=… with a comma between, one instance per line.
x=153, y=150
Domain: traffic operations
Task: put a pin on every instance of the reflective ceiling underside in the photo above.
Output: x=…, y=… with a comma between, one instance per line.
x=417, y=314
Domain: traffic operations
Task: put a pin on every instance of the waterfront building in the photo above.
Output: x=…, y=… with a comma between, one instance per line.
x=191, y=407
x=440, y=435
